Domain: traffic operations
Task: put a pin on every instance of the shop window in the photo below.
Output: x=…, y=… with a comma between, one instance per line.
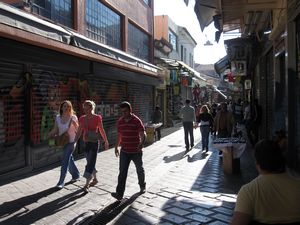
x=181, y=53
x=59, y=11
x=138, y=43
x=173, y=40
x=103, y=24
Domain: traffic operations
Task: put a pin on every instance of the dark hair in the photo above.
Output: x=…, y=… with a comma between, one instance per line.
x=269, y=156
x=187, y=101
x=126, y=105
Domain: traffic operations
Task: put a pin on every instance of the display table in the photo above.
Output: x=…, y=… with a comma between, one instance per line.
x=232, y=149
x=150, y=131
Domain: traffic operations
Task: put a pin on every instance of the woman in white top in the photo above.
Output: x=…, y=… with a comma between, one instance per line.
x=66, y=121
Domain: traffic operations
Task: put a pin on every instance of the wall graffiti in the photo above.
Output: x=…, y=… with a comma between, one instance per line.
x=12, y=111
x=48, y=95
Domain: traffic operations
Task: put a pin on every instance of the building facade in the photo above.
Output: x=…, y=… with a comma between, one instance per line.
x=76, y=50
x=269, y=50
x=174, y=54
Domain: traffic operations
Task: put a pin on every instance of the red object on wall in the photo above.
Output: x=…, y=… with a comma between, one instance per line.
x=184, y=81
x=230, y=77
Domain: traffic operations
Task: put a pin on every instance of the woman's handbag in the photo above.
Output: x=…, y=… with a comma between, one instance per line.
x=63, y=139
x=91, y=136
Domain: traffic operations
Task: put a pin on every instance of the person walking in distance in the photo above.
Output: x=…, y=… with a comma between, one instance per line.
x=88, y=124
x=157, y=118
x=66, y=121
x=131, y=136
x=205, y=120
x=188, y=119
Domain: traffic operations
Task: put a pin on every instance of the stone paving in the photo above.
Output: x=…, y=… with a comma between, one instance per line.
x=181, y=189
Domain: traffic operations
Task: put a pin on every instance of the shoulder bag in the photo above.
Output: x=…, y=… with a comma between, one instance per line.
x=63, y=139
x=91, y=136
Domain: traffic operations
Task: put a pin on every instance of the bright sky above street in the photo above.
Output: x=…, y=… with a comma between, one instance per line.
x=185, y=16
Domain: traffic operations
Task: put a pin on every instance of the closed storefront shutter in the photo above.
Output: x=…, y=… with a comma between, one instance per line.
x=107, y=94
x=49, y=89
x=12, y=117
x=141, y=99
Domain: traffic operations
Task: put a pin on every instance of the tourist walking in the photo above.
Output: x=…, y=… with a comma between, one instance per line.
x=131, y=136
x=90, y=125
x=205, y=121
x=65, y=127
x=188, y=119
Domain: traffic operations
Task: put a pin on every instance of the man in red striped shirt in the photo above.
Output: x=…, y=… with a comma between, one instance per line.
x=131, y=137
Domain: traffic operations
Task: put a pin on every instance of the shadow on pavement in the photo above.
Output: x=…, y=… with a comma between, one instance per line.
x=11, y=207
x=174, y=146
x=30, y=216
x=109, y=212
x=198, y=156
x=175, y=157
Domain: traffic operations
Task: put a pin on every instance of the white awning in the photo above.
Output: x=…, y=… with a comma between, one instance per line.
x=178, y=63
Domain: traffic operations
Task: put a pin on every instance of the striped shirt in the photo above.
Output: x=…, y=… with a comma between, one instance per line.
x=129, y=132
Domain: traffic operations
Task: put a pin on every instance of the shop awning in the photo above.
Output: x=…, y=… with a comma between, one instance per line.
x=179, y=64
x=205, y=10
x=101, y=49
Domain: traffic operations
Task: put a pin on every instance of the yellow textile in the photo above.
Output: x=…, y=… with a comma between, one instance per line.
x=271, y=198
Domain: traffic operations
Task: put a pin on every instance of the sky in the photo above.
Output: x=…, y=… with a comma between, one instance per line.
x=185, y=16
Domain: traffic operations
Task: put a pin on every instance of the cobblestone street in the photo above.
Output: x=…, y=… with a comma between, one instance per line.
x=181, y=189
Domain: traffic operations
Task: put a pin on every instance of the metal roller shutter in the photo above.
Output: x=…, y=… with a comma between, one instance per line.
x=107, y=95
x=12, y=117
x=141, y=99
x=49, y=89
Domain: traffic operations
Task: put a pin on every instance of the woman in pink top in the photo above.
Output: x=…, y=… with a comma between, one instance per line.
x=90, y=122
x=66, y=121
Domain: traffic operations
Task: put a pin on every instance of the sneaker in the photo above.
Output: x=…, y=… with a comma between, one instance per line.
x=142, y=190
x=59, y=186
x=116, y=196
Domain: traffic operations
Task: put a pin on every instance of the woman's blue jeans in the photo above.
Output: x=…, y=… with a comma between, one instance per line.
x=67, y=163
x=91, y=151
x=205, y=136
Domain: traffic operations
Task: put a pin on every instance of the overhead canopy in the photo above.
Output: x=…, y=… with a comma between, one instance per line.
x=205, y=10
x=179, y=64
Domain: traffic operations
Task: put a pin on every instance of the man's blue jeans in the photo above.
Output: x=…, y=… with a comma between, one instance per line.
x=91, y=151
x=67, y=163
x=125, y=159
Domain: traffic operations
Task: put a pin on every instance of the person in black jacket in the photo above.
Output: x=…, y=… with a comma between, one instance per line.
x=205, y=120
